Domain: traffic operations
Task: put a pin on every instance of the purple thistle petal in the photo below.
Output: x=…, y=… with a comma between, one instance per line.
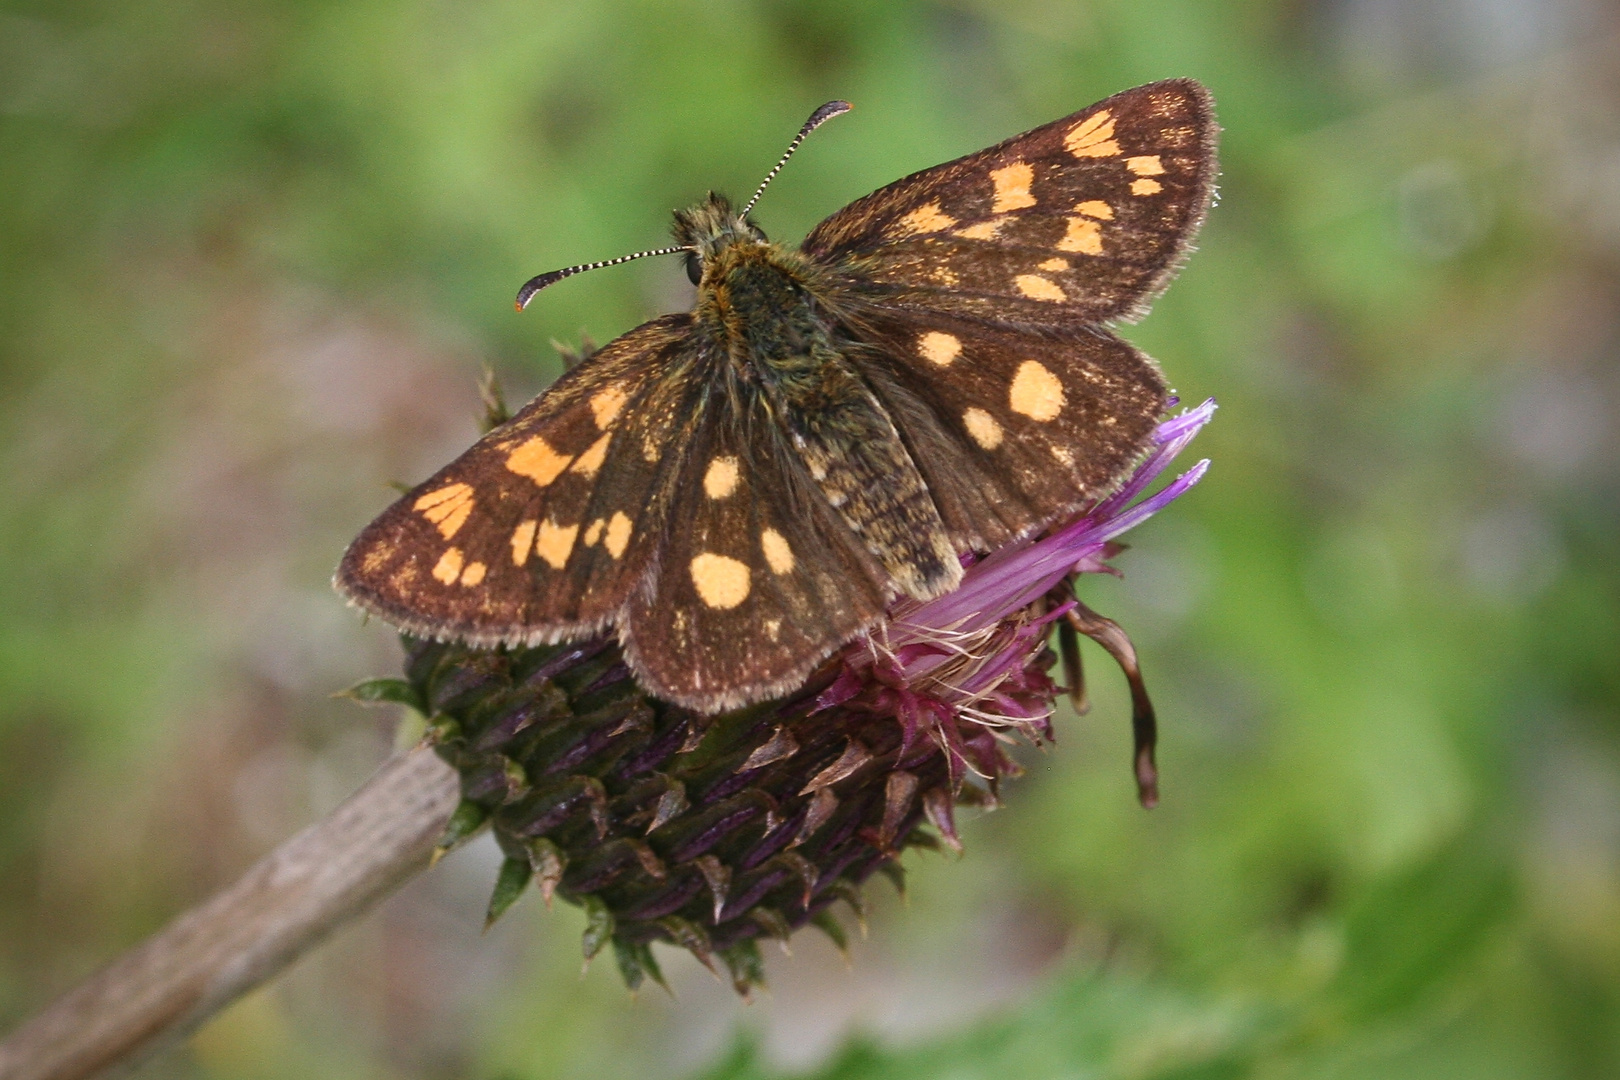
x=1171, y=438
x=1019, y=574
x=1145, y=509
x=966, y=671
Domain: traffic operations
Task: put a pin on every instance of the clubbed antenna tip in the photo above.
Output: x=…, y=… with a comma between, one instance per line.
x=817, y=118
x=540, y=281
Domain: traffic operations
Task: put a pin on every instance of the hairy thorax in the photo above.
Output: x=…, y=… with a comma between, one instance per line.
x=755, y=303
x=756, y=300
x=761, y=309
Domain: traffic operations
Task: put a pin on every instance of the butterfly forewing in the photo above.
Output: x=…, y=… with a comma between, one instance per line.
x=1076, y=222
x=544, y=526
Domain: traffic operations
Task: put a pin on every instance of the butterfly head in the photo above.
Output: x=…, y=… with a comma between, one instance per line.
x=709, y=228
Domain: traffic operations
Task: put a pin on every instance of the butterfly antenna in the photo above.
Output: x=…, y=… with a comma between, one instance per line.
x=535, y=284
x=817, y=118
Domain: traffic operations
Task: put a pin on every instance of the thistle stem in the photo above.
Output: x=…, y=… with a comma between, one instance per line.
x=169, y=985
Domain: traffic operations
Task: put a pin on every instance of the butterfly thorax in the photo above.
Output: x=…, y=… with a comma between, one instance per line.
x=754, y=302
x=761, y=312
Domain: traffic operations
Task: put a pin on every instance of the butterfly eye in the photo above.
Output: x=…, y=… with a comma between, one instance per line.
x=694, y=267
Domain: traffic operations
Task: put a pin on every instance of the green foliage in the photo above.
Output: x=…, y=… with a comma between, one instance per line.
x=509, y=885
x=386, y=691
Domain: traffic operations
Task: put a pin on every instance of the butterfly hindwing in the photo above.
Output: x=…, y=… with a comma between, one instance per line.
x=1078, y=221
x=758, y=578
x=1011, y=430
x=542, y=528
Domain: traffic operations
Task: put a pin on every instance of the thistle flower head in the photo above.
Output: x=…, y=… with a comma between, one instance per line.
x=710, y=832
x=976, y=652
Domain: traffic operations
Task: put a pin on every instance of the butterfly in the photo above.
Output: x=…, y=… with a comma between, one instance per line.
x=738, y=490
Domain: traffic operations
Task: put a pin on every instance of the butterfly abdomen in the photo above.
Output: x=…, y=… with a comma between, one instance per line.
x=759, y=302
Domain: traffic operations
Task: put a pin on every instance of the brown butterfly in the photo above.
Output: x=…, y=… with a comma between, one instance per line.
x=740, y=489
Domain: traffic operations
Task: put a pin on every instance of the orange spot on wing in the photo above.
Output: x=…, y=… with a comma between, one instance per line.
x=536, y=459
x=449, y=526
x=618, y=534
x=777, y=552
x=444, y=494
x=1093, y=136
x=1146, y=187
x=982, y=427
x=447, y=507
x=523, y=541
x=1035, y=392
x=1012, y=187
x=940, y=348
x=721, y=581
x=720, y=480
x=606, y=404
x=376, y=557
x=1145, y=166
x=1084, y=236
x=984, y=230
x=1095, y=208
x=448, y=568
x=924, y=219
x=555, y=543
x=1038, y=288
x=591, y=460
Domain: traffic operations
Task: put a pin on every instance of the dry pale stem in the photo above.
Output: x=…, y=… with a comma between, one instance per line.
x=169, y=985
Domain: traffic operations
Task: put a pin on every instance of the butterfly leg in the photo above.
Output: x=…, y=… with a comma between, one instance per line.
x=1144, y=724
x=1074, y=672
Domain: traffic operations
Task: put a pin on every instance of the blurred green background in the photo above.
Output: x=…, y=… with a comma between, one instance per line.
x=253, y=254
